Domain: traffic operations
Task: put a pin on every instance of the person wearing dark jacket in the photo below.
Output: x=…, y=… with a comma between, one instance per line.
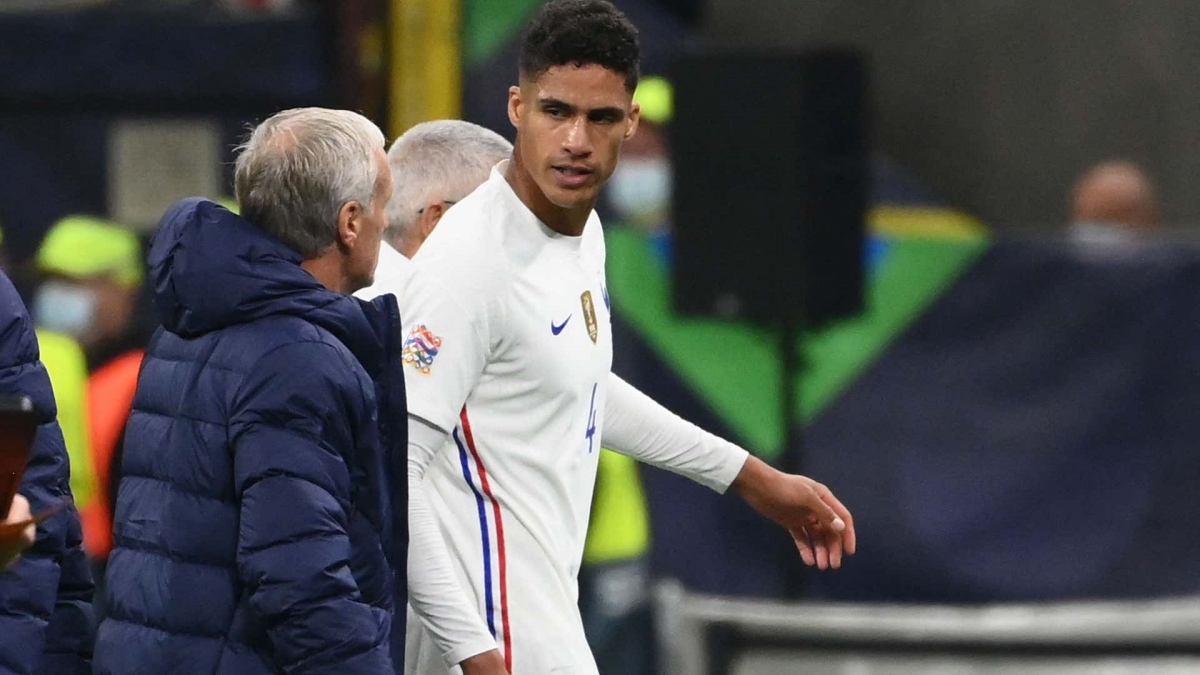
x=254, y=528
x=45, y=597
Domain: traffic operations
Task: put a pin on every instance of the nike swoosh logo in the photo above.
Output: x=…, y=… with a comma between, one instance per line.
x=559, y=328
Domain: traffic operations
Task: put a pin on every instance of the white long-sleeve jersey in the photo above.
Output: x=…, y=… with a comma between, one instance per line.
x=508, y=353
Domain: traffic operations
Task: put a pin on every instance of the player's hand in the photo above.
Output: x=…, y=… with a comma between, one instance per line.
x=11, y=550
x=487, y=663
x=821, y=526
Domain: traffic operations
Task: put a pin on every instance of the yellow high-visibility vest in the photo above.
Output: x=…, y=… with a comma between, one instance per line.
x=68, y=371
x=620, y=523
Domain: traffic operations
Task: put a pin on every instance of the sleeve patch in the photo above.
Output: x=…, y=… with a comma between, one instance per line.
x=420, y=348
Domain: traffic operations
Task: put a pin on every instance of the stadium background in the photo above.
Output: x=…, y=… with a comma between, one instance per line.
x=1010, y=420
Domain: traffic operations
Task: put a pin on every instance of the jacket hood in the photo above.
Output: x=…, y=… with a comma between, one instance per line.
x=212, y=269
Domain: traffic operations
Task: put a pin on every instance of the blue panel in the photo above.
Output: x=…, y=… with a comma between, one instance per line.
x=160, y=58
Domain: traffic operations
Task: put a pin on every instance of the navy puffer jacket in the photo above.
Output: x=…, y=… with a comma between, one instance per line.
x=254, y=530
x=46, y=598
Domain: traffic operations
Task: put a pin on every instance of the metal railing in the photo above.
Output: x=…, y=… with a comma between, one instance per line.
x=706, y=635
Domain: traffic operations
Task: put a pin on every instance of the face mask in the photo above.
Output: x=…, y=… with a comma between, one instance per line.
x=64, y=308
x=640, y=190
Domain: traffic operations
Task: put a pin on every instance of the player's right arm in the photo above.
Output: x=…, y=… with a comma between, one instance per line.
x=637, y=426
x=450, y=315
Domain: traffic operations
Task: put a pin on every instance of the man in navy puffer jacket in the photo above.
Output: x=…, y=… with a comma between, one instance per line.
x=46, y=597
x=254, y=530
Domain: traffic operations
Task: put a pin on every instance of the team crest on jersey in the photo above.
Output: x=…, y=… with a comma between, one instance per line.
x=589, y=315
x=420, y=348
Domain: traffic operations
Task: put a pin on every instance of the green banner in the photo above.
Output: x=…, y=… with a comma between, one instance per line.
x=490, y=24
x=735, y=367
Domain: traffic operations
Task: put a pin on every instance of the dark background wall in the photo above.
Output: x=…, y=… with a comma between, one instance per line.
x=998, y=104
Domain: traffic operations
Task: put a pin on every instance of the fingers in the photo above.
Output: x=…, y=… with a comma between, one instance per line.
x=823, y=511
x=840, y=509
x=820, y=524
x=19, y=511
x=835, y=553
x=822, y=548
x=806, y=551
x=818, y=547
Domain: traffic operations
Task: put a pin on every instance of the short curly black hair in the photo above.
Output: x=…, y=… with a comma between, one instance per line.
x=581, y=32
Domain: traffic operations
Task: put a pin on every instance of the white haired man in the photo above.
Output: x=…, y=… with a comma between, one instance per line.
x=254, y=529
x=434, y=164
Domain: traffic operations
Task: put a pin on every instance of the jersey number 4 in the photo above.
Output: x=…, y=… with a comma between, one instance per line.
x=591, y=425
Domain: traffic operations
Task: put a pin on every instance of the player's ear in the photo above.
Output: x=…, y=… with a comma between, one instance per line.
x=429, y=218
x=349, y=224
x=635, y=117
x=514, y=106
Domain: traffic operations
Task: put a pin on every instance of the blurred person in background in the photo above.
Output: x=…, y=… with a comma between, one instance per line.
x=46, y=622
x=92, y=272
x=434, y=165
x=614, y=581
x=64, y=361
x=254, y=530
x=639, y=191
x=1114, y=201
x=508, y=367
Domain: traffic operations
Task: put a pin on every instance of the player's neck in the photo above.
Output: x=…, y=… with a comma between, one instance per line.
x=329, y=273
x=569, y=222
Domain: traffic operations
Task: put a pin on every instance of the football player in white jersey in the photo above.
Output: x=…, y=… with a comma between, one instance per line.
x=510, y=391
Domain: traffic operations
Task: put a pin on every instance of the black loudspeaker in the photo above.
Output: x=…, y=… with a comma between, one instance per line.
x=770, y=186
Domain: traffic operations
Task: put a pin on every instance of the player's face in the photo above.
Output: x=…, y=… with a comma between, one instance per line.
x=363, y=230
x=571, y=122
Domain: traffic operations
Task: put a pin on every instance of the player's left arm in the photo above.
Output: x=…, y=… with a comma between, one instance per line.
x=637, y=426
